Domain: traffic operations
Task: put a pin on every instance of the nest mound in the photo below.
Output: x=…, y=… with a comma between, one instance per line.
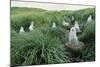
x=74, y=47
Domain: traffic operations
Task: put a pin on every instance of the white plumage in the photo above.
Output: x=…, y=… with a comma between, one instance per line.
x=89, y=18
x=77, y=26
x=31, y=27
x=54, y=25
x=22, y=29
x=72, y=18
x=73, y=39
x=65, y=23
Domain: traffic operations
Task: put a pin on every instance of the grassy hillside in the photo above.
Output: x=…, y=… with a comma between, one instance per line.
x=46, y=45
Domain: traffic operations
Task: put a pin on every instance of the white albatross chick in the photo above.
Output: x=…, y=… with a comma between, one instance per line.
x=77, y=26
x=54, y=25
x=65, y=23
x=31, y=27
x=73, y=39
x=89, y=19
x=21, y=29
x=72, y=18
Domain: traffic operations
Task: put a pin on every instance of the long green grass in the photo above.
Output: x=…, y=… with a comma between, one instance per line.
x=46, y=45
x=37, y=48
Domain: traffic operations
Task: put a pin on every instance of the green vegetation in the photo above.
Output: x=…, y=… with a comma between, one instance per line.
x=46, y=45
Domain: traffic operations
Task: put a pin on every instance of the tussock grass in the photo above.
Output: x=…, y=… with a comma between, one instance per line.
x=37, y=48
x=46, y=45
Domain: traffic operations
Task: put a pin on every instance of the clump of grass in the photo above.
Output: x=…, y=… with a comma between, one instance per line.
x=59, y=32
x=88, y=53
x=37, y=48
x=88, y=32
x=88, y=37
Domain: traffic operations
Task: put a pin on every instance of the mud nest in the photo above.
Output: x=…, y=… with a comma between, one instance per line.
x=74, y=47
